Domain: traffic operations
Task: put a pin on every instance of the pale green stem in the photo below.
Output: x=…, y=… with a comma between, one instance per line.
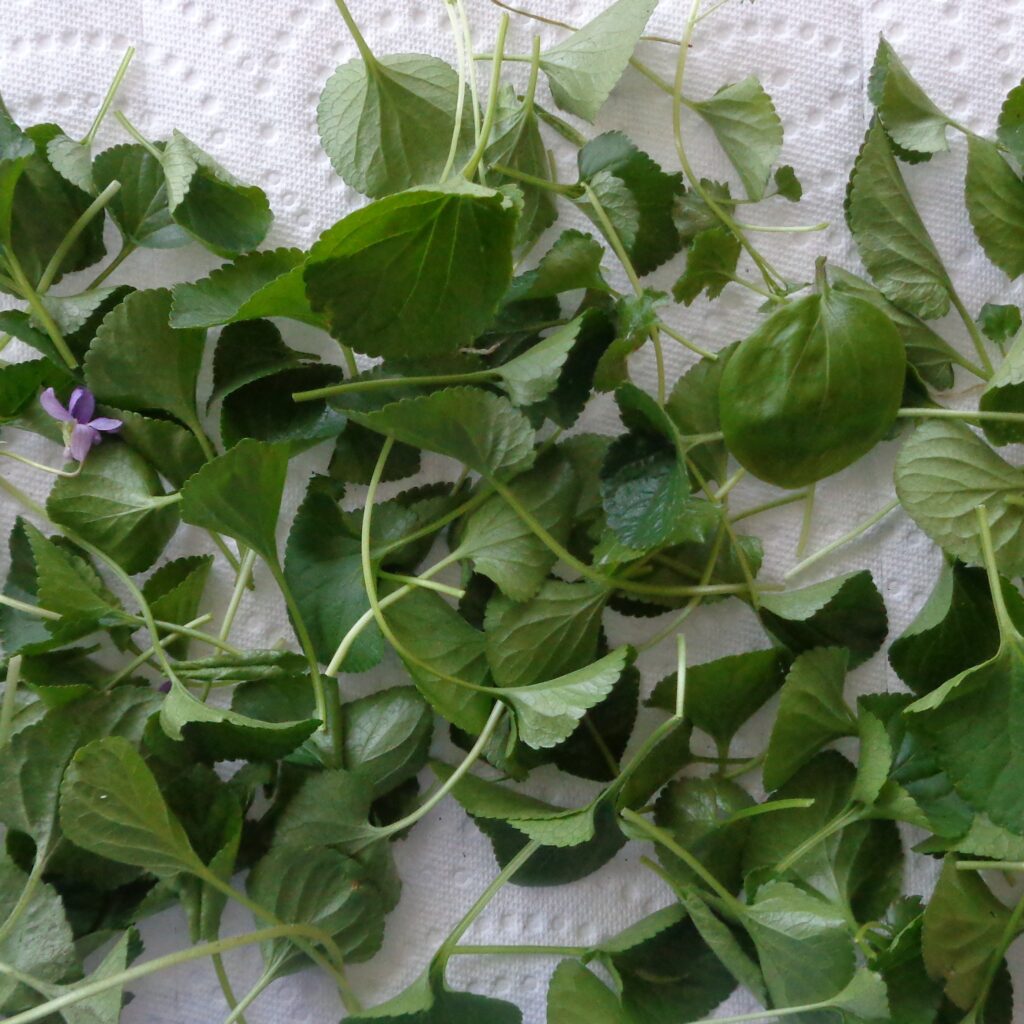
x=126, y=250
x=768, y=506
x=972, y=329
x=576, y=951
x=241, y=583
x=663, y=838
x=844, y=820
x=388, y=383
x=90, y=989
x=451, y=9
x=627, y=265
x=785, y=229
x=453, y=780
x=686, y=343
x=249, y=998
x=93, y=210
x=225, y=986
x=115, y=85
x=853, y=534
x=471, y=168
x=11, y=682
x=807, y=522
x=67, y=474
x=357, y=37
x=440, y=960
x=145, y=655
x=23, y=287
x=1007, y=628
x=532, y=179
x=961, y=414
x=990, y=865
x=415, y=581
x=139, y=137
x=729, y=484
x=27, y=893
x=30, y=609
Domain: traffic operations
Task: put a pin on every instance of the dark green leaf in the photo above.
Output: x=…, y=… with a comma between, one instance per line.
x=175, y=591
x=999, y=323
x=572, y=263
x=710, y=265
x=995, y=201
x=787, y=184
x=169, y=448
x=576, y=996
x=330, y=809
x=1005, y=393
x=1011, y=122
x=416, y=274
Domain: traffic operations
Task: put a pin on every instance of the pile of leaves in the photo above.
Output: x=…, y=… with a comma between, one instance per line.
x=147, y=761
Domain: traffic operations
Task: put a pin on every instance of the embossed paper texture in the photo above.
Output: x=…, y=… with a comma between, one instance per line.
x=242, y=78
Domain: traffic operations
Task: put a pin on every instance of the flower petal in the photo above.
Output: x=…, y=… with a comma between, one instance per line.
x=83, y=437
x=82, y=404
x=106, y=424
x=52, y=406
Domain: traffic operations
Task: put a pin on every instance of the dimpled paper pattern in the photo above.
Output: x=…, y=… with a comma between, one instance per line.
x=242, y=78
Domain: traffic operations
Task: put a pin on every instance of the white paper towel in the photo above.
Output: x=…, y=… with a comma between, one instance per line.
x=242, y=78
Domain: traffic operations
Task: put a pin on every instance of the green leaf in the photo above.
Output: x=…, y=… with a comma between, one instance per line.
x=20, y=630
x=830, y=371
x=547, y=713
x=533, y=375
x=693, y=406
x=387, y=737
x=995, y=202
x=710, y=265
x=955, y=630
x=963, y=924
x=697, y=813
x=503, y=548
x=481, y=430
x=865, y=998
x=169, y=448
x=980, y=749
x=1011, y=122
x=221, y=213
x=911, y=119
x=222, y=735
x=857, y=868
x=139, y=209
x=787, y=184
x=1005, y=393
x=637, y=195
x=256, y=285
x=249, y=665
x=573, y=262
x=239, y=493
x=576, y=996
x=812, y=713
x=330, y=809
x=116, y=502
x=892, y=240
x=41, y=943
x=846, y=611
x=943, y=473
x=427, y=1003
x=104, y=1008
x=637, y=316
x=35, y=239
x=324, y=570
x=111, y=805
x=744, y=121
x=721, y=695
x=583, y=69
x=517, y=143
x=804, y=946
x=175, y=591
x=387, y=124
x=139, y=362
x=321, y=888
x=33, y=763
x=555, y=632
x=929, y=356
x=416, y=274
x=1000, y=324
x=436, y=634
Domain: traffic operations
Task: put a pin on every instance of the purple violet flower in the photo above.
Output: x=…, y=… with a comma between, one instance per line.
x=81, y=429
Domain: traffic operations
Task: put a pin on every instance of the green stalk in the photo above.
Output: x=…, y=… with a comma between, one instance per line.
x=139, y=137
x=225, y=986
x=30, y=609
x=108, y=99
x=961, y=414
x=23, y=287
x=451, y=9
x=577, y=951
x=415, y=581
x=144, y=656
x=471, y=168
x=126, y=250
x=1007, y=629
x=531, y=179
x=768, y=506
x=806, y=523
x=844, y=820
x=11, y=682
x=357, y=37
x=443, y=954
x=28, y=891
x=853, y=534
x=387, y=383
x=662, y=838
x=497, y=712
x=249, y=998
x=90, y=989
x=972, y=329
x=686, y=343
x=92, y=211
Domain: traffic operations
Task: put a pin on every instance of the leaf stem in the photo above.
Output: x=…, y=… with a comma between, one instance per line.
x=90, y=989
x=93, y=210
x=662, y=838
x=493, y=720
x=807, y=522
x=848, y=817
x=28, y=890
x=961, y=414
x=415, y=581
x=520, y=951
x=11, y=681
x=768, y=506
x=570, y=191
x=451, y=9
x=144, y=656
x=249, y=998
x=126, y=250
x=357, y=37
x=385, y=383
x=972, y=329
x=30, y=609
x=1007, y=629
x=686, y=343
x=723, y=491
x=24, y=288
x=845, y=539
x=108, y=99
x=443, y=954
x=471, y=168
x=225, y=986
x=139, y=137
x=785, y=229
